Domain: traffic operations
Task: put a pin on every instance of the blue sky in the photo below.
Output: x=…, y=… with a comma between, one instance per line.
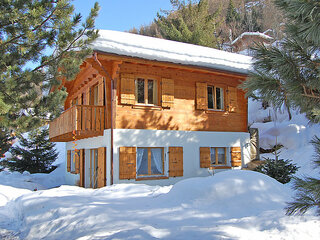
x=122, y=15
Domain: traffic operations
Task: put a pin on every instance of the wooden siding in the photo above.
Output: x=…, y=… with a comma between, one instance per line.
x=183, y=114
x=81, y=120
x=181, y=103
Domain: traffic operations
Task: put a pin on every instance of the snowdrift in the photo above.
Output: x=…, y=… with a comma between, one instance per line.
x=231, y=193
x=219, y=206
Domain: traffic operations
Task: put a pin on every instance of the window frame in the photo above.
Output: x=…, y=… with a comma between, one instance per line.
x=94, y=95
x=149, y=163
x=216, y=157
x=146, y=90
x=214, y=87
x=93, y=162
x=72, y=162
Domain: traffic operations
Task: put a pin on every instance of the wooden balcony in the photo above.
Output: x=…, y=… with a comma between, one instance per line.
x=80, y=121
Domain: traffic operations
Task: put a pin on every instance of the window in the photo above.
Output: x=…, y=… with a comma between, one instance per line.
x=94, y=95
x=74, y=101
x=215, y=98
x=218, y=156
x=150, y=161
x=146, y=91
x=93, y=169
x=73, y=162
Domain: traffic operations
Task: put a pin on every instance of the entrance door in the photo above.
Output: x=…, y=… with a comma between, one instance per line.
x=95, y=168
x=91, y=168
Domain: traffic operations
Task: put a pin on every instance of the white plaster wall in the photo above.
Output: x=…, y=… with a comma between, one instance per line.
x=191, y=141
x=89, y=143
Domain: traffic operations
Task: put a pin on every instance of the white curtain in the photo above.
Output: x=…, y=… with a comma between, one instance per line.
x=140, y=153
x=156, y=160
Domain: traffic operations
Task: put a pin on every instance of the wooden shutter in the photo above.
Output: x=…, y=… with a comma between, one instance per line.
x=201, y=96
x=167, y=92
x=81, y=167
x=127, y=89
x=175, y=161
x=232, y=99
x=205, y=161
x=68, y=160
x=101, y=167
x=101, y=92
x=235, y=156
x=127, y=163
x=77, y=161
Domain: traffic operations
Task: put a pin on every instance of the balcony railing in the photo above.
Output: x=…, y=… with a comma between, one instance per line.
x=80, y=121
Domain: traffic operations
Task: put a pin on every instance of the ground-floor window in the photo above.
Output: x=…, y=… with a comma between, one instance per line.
x=213, y=157
x=150, y=161
x=218, y=156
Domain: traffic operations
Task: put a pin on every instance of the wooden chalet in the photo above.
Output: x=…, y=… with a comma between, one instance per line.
x=153, y=110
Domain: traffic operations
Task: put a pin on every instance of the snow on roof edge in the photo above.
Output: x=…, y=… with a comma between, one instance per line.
x=133, y=45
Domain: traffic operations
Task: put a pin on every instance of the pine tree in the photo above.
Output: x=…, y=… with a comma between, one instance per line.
x=232, y=20
x=6, y=139
x=35, y=153
x=252, y=18
x=232, y=14
x=290, y=74
x=190, y=23
x=41, y=43
x=308, y=189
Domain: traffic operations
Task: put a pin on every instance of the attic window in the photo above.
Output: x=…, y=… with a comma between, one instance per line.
x=146, y=91
x=215, y=98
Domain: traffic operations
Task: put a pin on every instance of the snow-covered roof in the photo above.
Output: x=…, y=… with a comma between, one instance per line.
x=259, y=34
x=133, y=45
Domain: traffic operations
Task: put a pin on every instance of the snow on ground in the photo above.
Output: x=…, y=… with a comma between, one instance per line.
x=295, y=135
x=229, y=205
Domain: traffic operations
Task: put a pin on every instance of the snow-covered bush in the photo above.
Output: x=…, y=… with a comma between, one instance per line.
x=279, y=169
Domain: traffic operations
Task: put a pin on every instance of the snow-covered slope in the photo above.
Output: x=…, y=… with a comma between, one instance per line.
x=295, y=135
x=134, y=45
x=230, y=205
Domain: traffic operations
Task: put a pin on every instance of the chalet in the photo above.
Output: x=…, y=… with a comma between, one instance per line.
x=153, y=111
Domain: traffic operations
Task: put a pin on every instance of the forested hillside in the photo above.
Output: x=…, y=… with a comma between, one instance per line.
x=213, y=23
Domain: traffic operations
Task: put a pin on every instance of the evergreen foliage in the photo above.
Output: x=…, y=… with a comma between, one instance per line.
x=233, y=20
x=35, y=153
x=308, y=189
x=6, y=139
x=232, y=14
x=41, y=43
x=234, y=17
x=290, y=74
x=190, y=22
x=252, y=19
x=279, y=169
